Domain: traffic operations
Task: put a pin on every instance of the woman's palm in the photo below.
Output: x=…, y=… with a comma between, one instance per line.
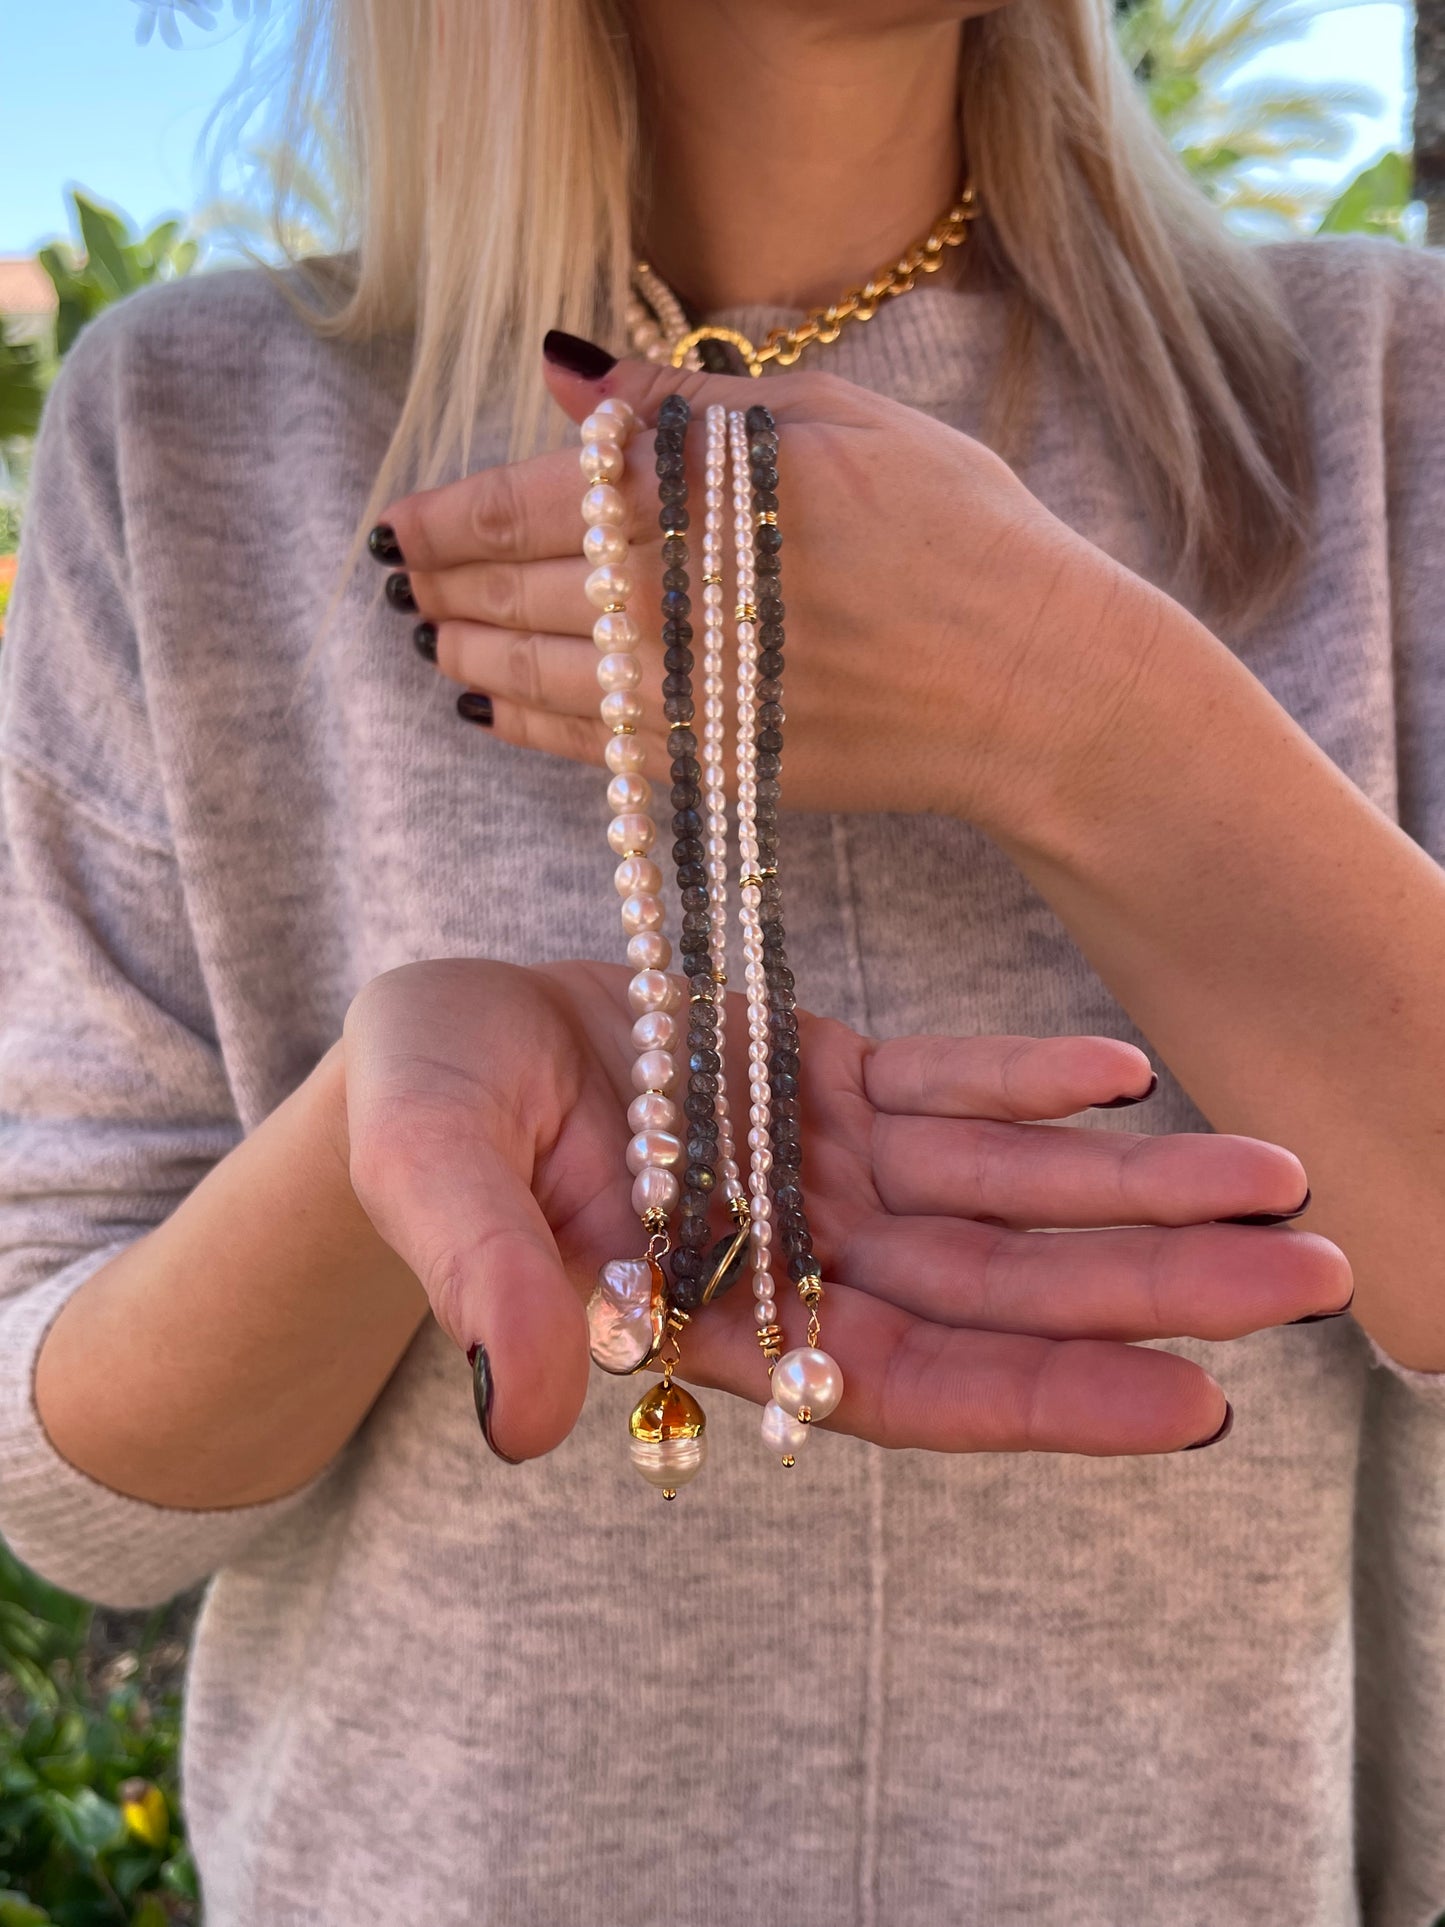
x=487, y=1115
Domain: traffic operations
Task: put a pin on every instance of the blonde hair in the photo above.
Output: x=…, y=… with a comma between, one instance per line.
x=491, y=160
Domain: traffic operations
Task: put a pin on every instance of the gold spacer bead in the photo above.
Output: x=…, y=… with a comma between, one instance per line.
x=719, y=976
x=655, y=1219
x=767, y=518
x=614, y=608
x=805, y=1414
x=715, y=580
x=624, y=729
x=790, y=1460
x=750, y=877
x=672, y=532
x=746, y=612
x=768, y=870
x=668, y=1492
x=810, y=1290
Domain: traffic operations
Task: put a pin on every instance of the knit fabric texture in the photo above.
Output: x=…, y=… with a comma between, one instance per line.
x=891, y=1688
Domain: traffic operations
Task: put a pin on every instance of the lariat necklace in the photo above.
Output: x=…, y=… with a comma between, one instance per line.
x=683, y=1147
x=658, y=328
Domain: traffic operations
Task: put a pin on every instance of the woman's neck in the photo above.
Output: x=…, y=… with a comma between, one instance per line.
x=785, y=159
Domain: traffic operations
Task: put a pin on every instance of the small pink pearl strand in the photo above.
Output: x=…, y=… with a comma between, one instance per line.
x=760, y=1154
x=655, y=1153
x=711, y=757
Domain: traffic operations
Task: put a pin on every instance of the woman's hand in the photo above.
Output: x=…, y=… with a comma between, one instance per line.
x=485, y=1133
x=947, y=635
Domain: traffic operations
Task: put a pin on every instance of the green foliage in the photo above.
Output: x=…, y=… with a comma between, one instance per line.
x=1240, y=139
x=111, y=262
x=22, y=388
x=1375, y=200
x=89, y=1827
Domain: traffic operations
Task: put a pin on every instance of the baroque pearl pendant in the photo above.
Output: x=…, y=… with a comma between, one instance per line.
x=626, y=1314
x=807, y=1383
x=668, y=1443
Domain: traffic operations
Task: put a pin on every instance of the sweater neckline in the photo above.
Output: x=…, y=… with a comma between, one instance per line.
x=934, y=345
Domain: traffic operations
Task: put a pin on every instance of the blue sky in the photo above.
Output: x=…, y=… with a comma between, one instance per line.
x=80, y=101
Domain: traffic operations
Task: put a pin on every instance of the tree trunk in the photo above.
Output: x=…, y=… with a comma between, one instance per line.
x=1430, y=115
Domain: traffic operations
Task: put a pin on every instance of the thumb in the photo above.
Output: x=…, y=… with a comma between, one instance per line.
x=434, y=1166
x=580, y=374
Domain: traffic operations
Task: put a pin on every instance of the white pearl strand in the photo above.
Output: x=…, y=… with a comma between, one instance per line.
x=760, y=1110
x=711, y=757
x=654, y=338
x=655, y=1153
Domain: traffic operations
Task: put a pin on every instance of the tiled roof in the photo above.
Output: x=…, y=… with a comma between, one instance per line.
x=25, y=287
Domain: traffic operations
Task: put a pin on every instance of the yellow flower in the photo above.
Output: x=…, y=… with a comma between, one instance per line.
x=144, y=1810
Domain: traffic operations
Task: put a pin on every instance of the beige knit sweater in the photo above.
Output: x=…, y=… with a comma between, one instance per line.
x=905, y=1690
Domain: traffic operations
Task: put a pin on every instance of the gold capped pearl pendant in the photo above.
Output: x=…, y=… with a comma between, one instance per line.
x=669, y=1437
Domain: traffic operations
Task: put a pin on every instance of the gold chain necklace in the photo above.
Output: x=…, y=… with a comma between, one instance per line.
x=662, y=334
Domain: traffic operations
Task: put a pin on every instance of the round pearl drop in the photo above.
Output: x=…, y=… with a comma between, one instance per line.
x=604, y=504
x=807, y=1380
x=603, y=543
x=655, y=1070
x=781, y=1431
x=651, y=1111
x=654, y=1151
x=601, y=461
x=611, y=583
x=618, y=670
x=632, y=832
x=623, y=752
x=656, y=1030
x=615, y=629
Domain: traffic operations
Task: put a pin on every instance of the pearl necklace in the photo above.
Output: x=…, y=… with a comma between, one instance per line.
x=632, y=1319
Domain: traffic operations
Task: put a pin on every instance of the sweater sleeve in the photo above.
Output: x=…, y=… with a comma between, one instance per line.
x=114, y=1099
x=1412, y=284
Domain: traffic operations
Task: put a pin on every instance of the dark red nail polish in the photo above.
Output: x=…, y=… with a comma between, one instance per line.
x=482, y=1390
x=399, y=595
x=384, y=546
x=1316, y=1317
x=425, y=637
x=1266, y=1217
x=1117, y=1103
x=578, y=357
x=474, y=707
x=1214, y=1437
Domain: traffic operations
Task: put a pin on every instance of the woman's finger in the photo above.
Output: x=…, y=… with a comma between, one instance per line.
x=557, y=674
x=1045, y=1174
x=908, y=1382
x=541, y=597
x=577, y=739
x=1199, y=1281
x=1004, y=1077
x=516, y=512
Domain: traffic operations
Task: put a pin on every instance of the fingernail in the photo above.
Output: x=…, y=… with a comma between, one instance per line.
x=425, y=637
x=1117, y=1103
x=1214, y=1437
x=399, y=595
x=1265, y=1217
x=577, y=356
x=482, y=1389
x=1314, y=1317
x=383, y=544
x=475, y=707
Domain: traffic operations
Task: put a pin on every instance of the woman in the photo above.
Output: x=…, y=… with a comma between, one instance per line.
x=1125, y=750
